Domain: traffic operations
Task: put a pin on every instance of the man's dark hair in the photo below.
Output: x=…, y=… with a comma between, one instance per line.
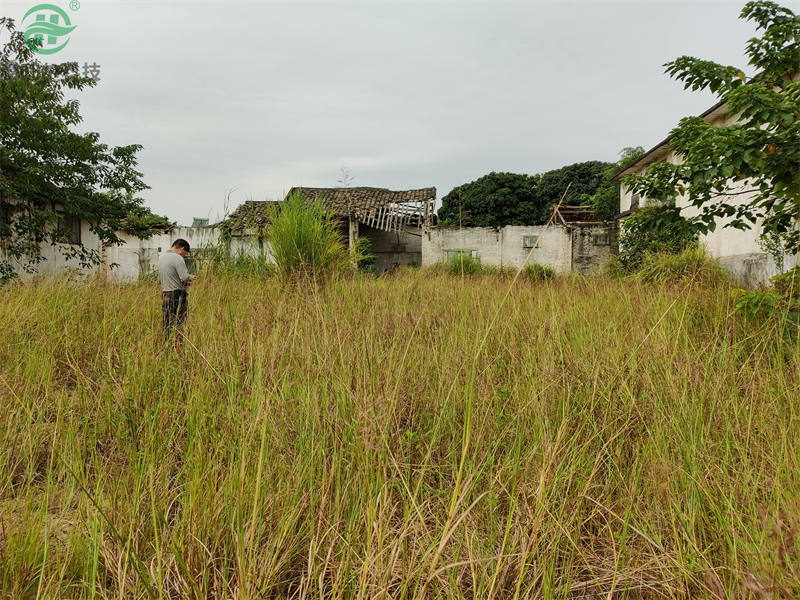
x=181, y=243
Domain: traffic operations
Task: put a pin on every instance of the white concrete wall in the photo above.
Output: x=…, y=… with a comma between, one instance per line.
x=135, y=257
x=501, y=248
x=484, y=240
x=553, y=248
x=138, y=257
x=54, y=260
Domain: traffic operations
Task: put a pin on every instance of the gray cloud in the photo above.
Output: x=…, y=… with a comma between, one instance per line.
x=261, y=96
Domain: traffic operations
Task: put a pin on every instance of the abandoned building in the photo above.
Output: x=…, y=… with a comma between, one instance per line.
x=392, y=221
x=573, y=240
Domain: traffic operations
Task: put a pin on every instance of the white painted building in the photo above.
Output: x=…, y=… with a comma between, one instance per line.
x=738, y=251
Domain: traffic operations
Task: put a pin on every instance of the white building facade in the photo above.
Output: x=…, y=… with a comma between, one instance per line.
x=739, y=251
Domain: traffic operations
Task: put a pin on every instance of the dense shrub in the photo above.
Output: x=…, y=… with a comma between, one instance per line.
x=654, y=230
x=693, y=264
x=779, y=306
x=464, y=264
x=614, y=268
x=788, y=284
x=538, y=272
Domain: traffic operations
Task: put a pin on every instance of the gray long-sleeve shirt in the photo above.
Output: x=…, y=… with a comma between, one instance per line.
x=172, y=273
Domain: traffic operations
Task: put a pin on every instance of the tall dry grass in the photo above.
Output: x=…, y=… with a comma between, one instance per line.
x=415, y=436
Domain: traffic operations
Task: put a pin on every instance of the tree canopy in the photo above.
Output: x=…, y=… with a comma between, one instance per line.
x=582, y=178
x=500, y=199
x=747, y=169
x=49, y=173
x=494, y=200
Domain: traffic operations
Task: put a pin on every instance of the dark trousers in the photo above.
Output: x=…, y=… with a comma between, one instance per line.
x=173, y=310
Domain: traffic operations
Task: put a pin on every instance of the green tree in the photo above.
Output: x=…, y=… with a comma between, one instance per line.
x=759, y=151
x=49, y=173
x=605, y=201
x=652, y=230
x=582, y=178
x=494, y=200
x=500, y=199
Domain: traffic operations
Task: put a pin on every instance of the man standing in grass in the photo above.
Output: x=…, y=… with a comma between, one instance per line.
x=174, y=279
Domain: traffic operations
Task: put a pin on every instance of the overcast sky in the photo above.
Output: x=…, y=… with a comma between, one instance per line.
x=257, y=97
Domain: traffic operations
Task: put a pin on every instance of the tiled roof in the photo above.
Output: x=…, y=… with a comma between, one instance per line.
x=354, y=200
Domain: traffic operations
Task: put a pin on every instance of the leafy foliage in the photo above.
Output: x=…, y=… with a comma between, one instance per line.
x=754, y=302
x=654, y=229
x=779, y=306
x=773, y=243
x=500, y=199
x=51, y=173
x=494, y=200
x=605, y=200
x=759, y=152
x=582, y=178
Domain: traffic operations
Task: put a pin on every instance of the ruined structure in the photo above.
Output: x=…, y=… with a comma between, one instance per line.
x=392, y=221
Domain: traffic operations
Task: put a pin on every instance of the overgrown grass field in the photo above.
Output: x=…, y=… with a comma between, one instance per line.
x=419, y=435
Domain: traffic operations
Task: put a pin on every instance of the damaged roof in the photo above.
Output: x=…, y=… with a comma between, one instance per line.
x=380, y=208
x=351, y=201
x=253, y=214
x=566, y=214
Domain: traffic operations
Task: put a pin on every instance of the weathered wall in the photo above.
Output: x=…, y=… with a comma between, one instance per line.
x=753, y=270
x=565, y=249
x=553, y=247
x=589, y=250
x=135, y=257
x=138, y=257
x=53, y=259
